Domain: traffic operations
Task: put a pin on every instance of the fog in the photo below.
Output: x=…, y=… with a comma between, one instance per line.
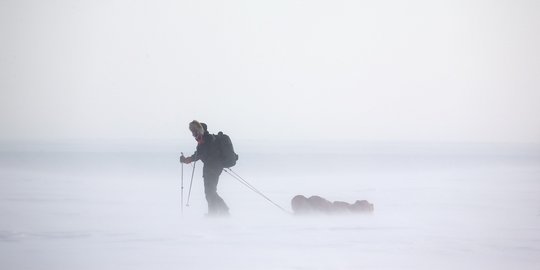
x=283, y=70
x=436, y=206
x=427, y=109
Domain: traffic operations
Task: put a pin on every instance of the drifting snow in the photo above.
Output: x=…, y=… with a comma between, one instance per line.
x=434, y=209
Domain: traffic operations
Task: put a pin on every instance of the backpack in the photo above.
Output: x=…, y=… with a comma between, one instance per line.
x=226, y=151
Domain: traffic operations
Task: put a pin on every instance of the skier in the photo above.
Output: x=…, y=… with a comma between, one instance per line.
x=208, y=151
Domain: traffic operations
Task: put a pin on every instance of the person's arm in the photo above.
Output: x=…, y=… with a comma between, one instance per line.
x=195, y=156
x=189, y=159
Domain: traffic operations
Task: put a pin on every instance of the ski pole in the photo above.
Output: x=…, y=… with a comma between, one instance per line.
x=191, y=183
x=182, y=187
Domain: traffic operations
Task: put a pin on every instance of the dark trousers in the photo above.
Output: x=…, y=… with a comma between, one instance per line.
x=216, y=205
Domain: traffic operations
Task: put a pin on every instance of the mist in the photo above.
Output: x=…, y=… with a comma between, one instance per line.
x=444, y=71
x=447, y=207
x=427, y=109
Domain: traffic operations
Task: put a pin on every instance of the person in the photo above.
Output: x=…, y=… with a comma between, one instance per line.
x=208, y=152
x=316, y=204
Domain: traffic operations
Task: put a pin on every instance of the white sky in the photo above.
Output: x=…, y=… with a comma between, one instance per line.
x=271, y=70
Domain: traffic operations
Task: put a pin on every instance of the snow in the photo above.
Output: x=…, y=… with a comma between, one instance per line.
x=436, y=207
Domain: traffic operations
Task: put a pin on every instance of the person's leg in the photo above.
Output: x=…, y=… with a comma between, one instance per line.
x=216, y=205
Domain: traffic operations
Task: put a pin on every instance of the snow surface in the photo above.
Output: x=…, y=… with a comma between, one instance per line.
x=449, y=207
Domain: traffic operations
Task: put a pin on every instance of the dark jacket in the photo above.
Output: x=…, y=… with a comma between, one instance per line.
x=208, y=151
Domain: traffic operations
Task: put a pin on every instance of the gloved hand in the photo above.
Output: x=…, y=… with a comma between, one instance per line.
x=185, y=160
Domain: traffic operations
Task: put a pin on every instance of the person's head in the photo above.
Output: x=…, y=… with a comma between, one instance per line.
x=196, y=128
